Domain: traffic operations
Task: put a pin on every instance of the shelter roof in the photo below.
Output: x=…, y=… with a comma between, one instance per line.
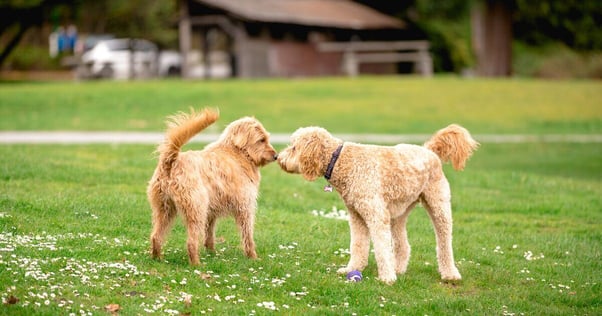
x=325, y=13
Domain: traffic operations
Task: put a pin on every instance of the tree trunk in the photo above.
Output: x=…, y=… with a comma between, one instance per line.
x=13, y=43
x=492, y=37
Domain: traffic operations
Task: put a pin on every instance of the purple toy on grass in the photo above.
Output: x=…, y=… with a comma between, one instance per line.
x=354, y=276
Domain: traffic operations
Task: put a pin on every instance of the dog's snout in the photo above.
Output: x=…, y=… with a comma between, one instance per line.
x=276, y=156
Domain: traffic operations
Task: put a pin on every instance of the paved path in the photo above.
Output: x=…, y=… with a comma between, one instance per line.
x=73, y=137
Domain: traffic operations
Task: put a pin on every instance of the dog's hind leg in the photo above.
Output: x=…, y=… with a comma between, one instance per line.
x=437, y=201
x=164, y=213
x=401, y=245
x=359, y=244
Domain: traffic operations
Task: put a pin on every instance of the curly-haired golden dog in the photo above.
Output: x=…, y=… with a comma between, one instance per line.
x=222, y=179
x=380, y=185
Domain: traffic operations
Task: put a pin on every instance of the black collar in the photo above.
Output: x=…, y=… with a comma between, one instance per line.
x=333, y=160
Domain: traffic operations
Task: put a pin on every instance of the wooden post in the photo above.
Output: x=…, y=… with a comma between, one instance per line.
x=206, y=52
x=184, y=29
x=350, y=63
x=425, y=64
x=131, y=60
x=240, y=38
x=232, y=56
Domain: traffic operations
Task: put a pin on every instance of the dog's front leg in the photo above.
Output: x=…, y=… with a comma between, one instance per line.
x=245, y=220
x=195, y=230
x=210, y=234
x=380, y=231
x=359, y=245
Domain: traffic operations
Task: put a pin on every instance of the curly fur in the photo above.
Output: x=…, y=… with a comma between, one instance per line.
x=380, y=185
x=221, y=180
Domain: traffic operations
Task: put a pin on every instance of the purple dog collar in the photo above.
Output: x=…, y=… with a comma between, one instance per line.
x=333, y=161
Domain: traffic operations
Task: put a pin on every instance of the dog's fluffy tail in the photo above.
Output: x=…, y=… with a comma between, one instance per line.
x=454, y=144
x=180, y=129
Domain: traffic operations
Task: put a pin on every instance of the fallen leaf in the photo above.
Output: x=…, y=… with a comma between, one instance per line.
x=12, y=300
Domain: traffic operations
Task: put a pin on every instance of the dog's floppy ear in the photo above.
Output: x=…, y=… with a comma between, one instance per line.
x=239, y=135
x=310, y=157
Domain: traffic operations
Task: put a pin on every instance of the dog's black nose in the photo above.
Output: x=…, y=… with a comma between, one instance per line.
x=275, y=156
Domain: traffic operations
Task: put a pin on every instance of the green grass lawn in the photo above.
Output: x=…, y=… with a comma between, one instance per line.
x=74, y=220
x=365, y=105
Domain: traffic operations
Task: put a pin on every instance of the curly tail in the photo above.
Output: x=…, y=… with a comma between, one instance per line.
x=454, y=144
x=180, y=129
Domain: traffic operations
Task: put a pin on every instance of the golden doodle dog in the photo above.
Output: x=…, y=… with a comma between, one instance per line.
x=380, y=185
x=220, y=180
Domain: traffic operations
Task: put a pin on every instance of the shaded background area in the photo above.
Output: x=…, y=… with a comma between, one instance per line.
x=551, y=39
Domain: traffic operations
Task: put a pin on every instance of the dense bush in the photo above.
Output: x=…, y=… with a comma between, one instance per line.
x=555, y=60
x=552, y=39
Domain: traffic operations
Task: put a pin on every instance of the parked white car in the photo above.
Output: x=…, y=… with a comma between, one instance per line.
x=113, y=59
x=170, y=63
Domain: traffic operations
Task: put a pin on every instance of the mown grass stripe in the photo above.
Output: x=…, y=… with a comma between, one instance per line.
x=156, y=137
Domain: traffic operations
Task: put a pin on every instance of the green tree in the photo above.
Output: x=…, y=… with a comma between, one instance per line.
x=150, y=19
x=447, y=24
x=155, y=20
x=18, y=16
x=572, y=22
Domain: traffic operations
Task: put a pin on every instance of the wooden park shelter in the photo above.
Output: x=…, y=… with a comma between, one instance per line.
x=292, y=38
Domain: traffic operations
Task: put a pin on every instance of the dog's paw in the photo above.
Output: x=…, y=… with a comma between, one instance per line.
x=156, y=255
x=344, y=270
x=389, y=280
x=453, y=275
x=401, y=266
x=210, y=247
x=400, y=270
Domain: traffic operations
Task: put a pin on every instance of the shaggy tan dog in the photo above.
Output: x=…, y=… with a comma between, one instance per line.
x=380, y=186
x=222, y=179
